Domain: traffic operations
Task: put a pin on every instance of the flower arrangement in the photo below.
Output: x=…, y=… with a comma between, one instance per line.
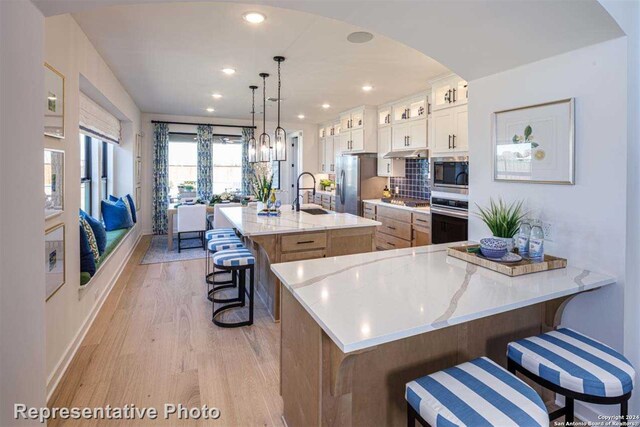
x=262, y=186
x=503, y=219
x=221, y=198
x=326, y=183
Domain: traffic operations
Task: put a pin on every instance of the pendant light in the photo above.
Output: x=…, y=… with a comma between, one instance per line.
x=264, y=140
x=280, y=136
x=253, y=157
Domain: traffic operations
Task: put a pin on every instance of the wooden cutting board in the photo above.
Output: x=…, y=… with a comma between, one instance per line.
x=526, y=266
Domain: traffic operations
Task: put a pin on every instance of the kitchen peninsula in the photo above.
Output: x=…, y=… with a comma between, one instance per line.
x=296, y=236
x=355, y=329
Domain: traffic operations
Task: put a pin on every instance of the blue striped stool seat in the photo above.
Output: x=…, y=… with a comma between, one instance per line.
x=216, y=245
x=219, y=233
x=476, y=393
x=575, y=362
x=233, y=258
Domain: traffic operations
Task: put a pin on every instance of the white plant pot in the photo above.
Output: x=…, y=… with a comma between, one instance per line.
x=261, y=206
x=509, y=241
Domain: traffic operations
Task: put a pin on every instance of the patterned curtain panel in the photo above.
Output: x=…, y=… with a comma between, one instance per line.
x=247, y=170
x=205, y=139
x=160, y=177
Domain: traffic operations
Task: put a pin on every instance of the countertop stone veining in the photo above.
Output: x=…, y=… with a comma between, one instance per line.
x=369, y=299
x=249, y=223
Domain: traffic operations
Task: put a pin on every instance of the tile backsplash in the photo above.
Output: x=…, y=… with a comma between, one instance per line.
x=415, y=183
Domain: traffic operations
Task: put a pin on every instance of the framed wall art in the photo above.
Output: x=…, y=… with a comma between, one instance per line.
x=535, y=144
x=54, y=255
x=54, y=101
x=53, y=183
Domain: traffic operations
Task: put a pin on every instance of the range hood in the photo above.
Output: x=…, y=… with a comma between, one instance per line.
x=421, y=153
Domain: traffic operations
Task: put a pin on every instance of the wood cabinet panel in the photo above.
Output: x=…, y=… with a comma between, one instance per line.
x=299, y=256
x=305, y=241
x=394, y=213
x=385, y=241
x=423, y=219
x=395, y=228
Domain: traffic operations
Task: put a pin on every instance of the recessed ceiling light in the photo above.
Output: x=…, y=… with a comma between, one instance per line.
x=254, y=17
x=301, y=116
x=360, y=37
x=367, y=88
x=228, y=71
x=217, y=96
x=325, y=106
x=211, y=110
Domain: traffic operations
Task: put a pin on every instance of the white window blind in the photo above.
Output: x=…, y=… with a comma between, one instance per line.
x=98, y=122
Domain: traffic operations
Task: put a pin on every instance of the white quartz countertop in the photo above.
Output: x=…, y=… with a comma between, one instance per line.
x=249, y=223
x=369, y=299
x=425, y=209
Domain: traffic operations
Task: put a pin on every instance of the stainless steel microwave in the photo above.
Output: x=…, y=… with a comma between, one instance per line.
x=450, y=174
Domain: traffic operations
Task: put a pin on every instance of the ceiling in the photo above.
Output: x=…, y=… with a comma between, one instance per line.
x=169, y=56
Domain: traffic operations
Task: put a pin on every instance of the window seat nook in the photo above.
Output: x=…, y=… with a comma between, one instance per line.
x=114, y=237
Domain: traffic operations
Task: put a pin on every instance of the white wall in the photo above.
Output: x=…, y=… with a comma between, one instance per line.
x=589, y=218
x=627, y=14
x=70, y=311
x=22, y=293
x=308, y=161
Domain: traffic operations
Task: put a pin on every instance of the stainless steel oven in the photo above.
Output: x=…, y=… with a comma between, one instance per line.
x=450, y=174
x=449, y=219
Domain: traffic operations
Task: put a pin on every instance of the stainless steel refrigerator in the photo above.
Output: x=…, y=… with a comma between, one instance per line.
x=357, y=180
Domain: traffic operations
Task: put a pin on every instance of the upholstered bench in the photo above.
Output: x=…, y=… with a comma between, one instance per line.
x=574, y=366
x=476, y=393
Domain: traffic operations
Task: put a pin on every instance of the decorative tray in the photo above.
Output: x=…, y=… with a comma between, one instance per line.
x=526, y=266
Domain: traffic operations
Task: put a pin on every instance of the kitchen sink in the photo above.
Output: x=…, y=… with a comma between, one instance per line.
x=315, y=211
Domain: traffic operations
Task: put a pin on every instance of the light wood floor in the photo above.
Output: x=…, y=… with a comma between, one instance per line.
x=153, y=343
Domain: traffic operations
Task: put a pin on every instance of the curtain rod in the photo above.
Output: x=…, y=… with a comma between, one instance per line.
x=213, y=134
x=203, y=124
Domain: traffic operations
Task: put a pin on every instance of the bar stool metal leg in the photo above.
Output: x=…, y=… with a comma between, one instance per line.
x=238, y=302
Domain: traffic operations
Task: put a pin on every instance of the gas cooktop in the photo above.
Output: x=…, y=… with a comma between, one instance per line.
x=406, y=201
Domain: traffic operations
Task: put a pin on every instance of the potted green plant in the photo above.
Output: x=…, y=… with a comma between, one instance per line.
x=262, y=187
x=326, y=184
x=503, y=219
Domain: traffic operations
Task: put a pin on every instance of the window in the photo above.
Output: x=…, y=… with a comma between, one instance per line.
x=85, y=173
x=227, y=167
x=104, y=172
x=96, y=157
x=183, y=163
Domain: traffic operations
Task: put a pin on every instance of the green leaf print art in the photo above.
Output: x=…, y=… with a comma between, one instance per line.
x=538, y=153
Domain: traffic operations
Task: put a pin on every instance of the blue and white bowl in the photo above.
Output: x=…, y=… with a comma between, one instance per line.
x=493, y=248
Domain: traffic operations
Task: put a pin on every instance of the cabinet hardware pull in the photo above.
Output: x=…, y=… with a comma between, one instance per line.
x=454, y=95
x=421, y=220
x=449, y=142
x=304, y=242
x=388, y=167
x=389, y=243
x=390, y=227
x=447, y=96
x=454, y=141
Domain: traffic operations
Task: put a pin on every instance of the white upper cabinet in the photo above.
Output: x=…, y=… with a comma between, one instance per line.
x=322, y=163
x=415, y=107
x=450, y=91
x=329, y=154
x=410, y=136
x=358, y=130
x=449, y=130
x=388, y=167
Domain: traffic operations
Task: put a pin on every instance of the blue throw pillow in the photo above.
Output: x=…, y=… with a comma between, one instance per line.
x=133, y=208
x=98, y=231
x=87, y=262
x=116, y=215
x=129, y=200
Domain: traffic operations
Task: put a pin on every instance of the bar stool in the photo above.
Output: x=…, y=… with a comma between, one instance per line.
x=215, y=245
x=576, y=367
x=239, y=261
x=475, y=393
x=218, y=233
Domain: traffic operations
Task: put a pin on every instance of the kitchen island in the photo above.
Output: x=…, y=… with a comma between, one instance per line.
x=356, y=329
x=295, y=236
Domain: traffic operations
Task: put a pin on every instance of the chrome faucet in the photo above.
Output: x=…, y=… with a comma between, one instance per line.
x=296, y=202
